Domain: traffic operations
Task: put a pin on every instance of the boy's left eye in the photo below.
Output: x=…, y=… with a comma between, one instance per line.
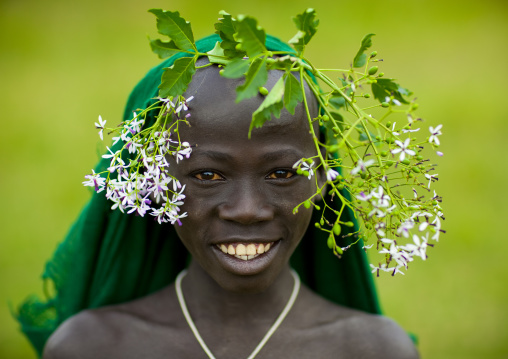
x=280, y=174
x=208, y=176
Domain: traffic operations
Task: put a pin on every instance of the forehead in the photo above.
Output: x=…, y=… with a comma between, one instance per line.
x=216, y=116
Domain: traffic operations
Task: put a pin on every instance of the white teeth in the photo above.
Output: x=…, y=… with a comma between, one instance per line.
x=240, y=250
x=246, y=258
x=245, y=252
x=251, y=249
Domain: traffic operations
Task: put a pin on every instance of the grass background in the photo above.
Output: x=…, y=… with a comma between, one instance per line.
x=63, y=63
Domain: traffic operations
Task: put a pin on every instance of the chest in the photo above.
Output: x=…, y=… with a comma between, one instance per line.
x=154, y=342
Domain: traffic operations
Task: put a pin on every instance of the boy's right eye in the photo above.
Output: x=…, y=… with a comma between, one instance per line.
x=208, y=176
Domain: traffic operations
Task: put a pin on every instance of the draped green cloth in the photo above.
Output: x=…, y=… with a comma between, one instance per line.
x=109, y=257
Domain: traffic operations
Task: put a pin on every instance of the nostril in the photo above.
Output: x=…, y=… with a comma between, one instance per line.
x=246, y=207
x=244, y=213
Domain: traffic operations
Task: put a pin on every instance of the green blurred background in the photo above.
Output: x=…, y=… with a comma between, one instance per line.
x=62, y=63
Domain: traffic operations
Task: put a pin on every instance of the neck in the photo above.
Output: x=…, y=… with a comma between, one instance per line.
x=210, y=303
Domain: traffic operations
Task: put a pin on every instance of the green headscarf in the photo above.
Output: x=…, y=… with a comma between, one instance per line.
x=110, y=257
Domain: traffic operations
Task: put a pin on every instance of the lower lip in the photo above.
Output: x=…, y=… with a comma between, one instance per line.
x=249, y=267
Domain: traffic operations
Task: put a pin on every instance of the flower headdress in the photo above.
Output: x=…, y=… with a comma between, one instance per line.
x=381, y=173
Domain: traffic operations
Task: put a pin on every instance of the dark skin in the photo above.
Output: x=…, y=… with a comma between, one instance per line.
x=239, y=191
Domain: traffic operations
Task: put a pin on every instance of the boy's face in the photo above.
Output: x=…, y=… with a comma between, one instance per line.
x=241, y=191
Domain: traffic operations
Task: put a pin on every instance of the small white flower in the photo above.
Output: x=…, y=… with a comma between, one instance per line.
x=405, y=227
x=434, y=132
x=396, y=270
x=183, y=105
x=363, y=197
x=418, y=248
x=133, y=146
x=362, y=166
x=430, y=178
x=100, y=126
x=383, y=199
x=167, y=103
x=111, y=154
x=421, y=214
x=439, y=153
x=95, y=180
x=186, y=151
x=406, y=131
x=380, y=229
x=395, y=254
x=305, y=166
x=331, y=174
x=378, y=212
x=381, y=267
x=437, y=226
x=403, y=149
x=393, y=130
x=394, y=101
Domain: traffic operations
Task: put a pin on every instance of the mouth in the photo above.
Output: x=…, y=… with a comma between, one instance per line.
x=245, y=251
x=246, y=258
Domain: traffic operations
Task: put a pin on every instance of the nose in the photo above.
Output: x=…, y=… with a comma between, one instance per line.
x=247, y=204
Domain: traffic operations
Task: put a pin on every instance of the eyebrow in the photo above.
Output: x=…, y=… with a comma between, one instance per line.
x=215, y=155
x=276, y=155
x=270, y=156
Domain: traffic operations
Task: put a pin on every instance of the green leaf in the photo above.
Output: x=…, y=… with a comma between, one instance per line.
x=387, y=87
x=235, y=69
x=170, y=23
x=272, y=105
x=176, y=78
x=307, y=27
x=164, y=49
x=361, y=58
x=255, y=78
x=337, y=100
x=226, y=28
x=216, y=55
x=292, y=93
x=251, y=36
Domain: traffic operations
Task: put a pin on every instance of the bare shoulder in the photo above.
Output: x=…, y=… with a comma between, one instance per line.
x=104, y=332
x=349, y=333
x=377, y=336
x=82, y=336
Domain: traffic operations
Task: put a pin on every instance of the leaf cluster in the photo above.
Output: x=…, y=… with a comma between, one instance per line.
x=348, y=110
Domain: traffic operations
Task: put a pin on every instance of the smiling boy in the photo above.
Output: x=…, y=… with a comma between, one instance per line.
x=241, y=233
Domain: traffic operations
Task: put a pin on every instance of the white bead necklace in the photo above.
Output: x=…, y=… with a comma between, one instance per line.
x=273, y=328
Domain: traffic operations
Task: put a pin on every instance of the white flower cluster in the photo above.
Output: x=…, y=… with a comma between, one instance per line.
x=380, y=180
x=394, y=219
x=422, y=222
x=133, y=187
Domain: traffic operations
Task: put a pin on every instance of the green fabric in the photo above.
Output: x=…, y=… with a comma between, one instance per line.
x=109, y=257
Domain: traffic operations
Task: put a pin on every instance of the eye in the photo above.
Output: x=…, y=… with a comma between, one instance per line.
x=280, y=174
x=208, y=176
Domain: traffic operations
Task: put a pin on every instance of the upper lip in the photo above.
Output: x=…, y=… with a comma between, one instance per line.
x=244, y=240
